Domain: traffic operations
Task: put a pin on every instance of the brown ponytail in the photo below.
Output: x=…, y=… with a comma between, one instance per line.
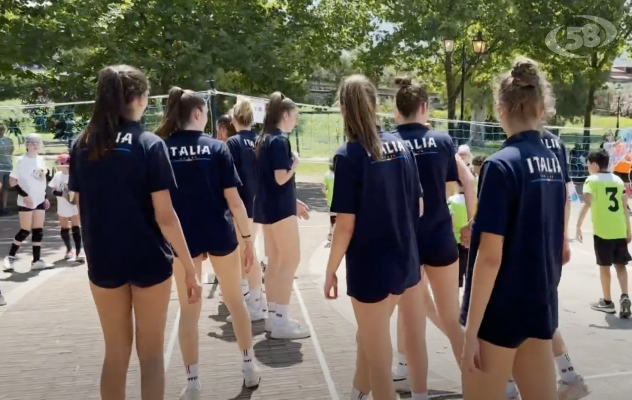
x=276, y=107
x=180, y=104
x=358, y=98
x=117, y=88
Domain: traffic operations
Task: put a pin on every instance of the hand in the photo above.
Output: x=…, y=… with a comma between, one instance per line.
x=578, y=235
x=46, y=204
x=566, y=252
x=194, y=288
x=331, y=286
x=27, y=202
x=302, y=211
x=295, y=160
x=471, y=358
x=65, y=196
x=466, y=235
x=249, y=255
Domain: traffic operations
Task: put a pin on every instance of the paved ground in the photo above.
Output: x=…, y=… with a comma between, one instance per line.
x=51, y=347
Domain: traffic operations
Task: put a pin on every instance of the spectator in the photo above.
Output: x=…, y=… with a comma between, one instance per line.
x=465, y=154
x=6, y=166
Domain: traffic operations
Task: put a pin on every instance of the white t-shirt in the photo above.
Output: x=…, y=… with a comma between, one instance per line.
x=60, y=183
x=30, y=173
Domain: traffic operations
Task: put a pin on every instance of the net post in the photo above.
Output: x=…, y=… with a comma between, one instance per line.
x=213, y=108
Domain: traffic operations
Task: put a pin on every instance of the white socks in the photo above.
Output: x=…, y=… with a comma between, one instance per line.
x=255, y=298
x=420, y=396
x=358, y=395
x=401, y=369
x=193, y=383
x=248, y=359
x=245, y=290
x=281, y=314
x=565, y=369
x=511, y=390
x=272, y=311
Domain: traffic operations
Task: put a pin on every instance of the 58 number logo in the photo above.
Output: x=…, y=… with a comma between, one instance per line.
x=584, y=36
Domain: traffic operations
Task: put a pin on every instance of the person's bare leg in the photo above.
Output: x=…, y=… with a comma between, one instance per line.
x=445, y=288
x=490, y=384
x=188, y=331
x=534, y=371
x=151, y=305
x=622, y=277
x=411, y=312
x=362, y=377
x=374, y=329
x=114, y=307
x=271, y=275
x=605, y=278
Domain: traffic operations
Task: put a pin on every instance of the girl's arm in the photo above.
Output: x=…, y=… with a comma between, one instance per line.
x=282, y=176
x=486, y=269
x=237, y=208
x=582, y=215
x=469, y=186
x=343, y=231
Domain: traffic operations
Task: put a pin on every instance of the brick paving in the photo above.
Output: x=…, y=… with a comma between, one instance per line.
x=51, y=346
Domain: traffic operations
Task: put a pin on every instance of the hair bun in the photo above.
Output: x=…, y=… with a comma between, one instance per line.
x=403, y=81
x=525, y=74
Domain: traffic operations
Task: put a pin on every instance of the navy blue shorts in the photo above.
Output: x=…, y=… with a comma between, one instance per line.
x=511, y=328
x=374, y=283
x=140, y=274
x=437, y=245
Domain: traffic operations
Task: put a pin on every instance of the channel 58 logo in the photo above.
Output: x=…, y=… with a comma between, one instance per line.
x=598, y=33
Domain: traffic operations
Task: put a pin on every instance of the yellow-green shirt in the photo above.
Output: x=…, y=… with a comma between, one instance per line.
x=456, y=205
x=608, y=214
x=328, y=181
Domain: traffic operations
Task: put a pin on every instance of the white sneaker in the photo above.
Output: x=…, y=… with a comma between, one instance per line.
x=40, y=264
x=289, y=330
x=190, y=394
x=251, y=377
x=3, y=302
x=401, y=382
x=572, y=391
x=68, y=256
x=8, y=264
x=255, y=315
x=268, y=323
x=81, y=257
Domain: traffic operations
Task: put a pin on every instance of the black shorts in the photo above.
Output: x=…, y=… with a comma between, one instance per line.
x=611, y=251
x=437, y=245
x=463, y=254
x=26, y=209
x=624, y=177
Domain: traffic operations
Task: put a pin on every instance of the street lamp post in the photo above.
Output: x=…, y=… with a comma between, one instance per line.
x=618, y=91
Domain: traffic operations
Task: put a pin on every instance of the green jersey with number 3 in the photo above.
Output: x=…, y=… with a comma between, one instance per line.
x=608, y=212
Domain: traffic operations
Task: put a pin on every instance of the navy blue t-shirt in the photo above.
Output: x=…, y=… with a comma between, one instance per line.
x=434, y=153
x=383, y=195
x=521, y=198
x=203, y=168
x=122, y=239
x=242, y=148
x=554, y=144
x=274, y=202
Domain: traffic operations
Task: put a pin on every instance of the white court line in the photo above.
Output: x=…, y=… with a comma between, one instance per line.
x=172, y=339
x=15, y=295
x=611, y=375
x=319, y=351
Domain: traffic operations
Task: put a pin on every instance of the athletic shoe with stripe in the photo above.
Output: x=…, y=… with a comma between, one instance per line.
x=251, y=376
x=39, y=265
x=602, y=306
x=401, y=382
x=625, y=303
x=8, y=264
x=289, y=330
x=190, y=394
x=572, y=391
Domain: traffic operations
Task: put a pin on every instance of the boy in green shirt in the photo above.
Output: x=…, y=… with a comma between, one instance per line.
x=328, y=190
x=458, y=211
x=604, y=195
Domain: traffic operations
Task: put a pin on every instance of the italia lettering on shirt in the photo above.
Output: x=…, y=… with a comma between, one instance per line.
x=124, y=138
x=189, y=152
x=249, y=143
x=419, y=145
x=391, y=150
x=551, y=143
x=547, y=167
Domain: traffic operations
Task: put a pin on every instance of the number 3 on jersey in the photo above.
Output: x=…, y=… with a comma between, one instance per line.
x=612, y=191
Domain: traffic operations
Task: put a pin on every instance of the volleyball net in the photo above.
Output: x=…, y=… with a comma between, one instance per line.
x=316, y=137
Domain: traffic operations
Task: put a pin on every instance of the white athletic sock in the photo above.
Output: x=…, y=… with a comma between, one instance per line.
x=401, y=368
x=420, y=396
x=511, y=389
x=358, y=395
x=245, y=290
x=248, y=359
x=281, y=314
x=255, y=298
x=272, y=311
x=565, y=368
x=193, y=382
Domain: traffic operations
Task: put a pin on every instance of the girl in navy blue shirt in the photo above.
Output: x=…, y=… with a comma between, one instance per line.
x=122, y=176
x=377, y=200
x=510, y=302
x=242, y=148
x=207, y=201
x=276, y=209
x=438, y=172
